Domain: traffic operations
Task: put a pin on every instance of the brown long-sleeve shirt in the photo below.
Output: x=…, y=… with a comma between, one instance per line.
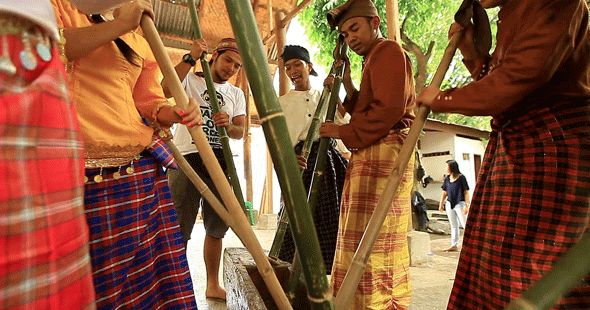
x=385, y=99
x=541, y=56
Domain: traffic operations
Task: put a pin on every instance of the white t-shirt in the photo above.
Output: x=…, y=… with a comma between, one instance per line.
x=299, y=108
x=231, y=101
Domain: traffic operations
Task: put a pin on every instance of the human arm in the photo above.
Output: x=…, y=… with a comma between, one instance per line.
x=235, y=128
x=467, y=201
x=96, y=6
x=525, y=59
x=443, y=198
x=301, y=161
x=82, y=41
x=182, y=68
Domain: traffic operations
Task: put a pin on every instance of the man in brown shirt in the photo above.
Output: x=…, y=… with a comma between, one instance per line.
x=381, y=113
x=530, y=204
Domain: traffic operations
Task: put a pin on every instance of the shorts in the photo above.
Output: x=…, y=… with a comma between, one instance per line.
x=187, y=198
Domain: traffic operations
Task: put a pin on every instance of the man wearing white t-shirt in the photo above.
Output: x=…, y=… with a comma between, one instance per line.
x=225, y=63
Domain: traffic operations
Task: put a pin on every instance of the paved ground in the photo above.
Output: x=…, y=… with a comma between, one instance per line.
x=431, y=282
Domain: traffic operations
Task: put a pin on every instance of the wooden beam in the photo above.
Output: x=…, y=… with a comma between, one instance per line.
x=286, y=20
x=247, y=138
x=296, y=11
x=284, y=85
x=392, y=9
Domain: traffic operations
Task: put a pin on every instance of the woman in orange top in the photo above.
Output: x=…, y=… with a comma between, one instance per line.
x=136, y=247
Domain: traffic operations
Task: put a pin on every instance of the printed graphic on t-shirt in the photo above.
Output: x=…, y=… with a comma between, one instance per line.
x=207, y=114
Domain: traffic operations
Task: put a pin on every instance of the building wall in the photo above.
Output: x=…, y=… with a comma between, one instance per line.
x=435, y=142
x=461, y=149
x=465, y=149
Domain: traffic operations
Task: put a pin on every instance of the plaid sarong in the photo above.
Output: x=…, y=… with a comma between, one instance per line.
x=327, y=211
x=137, y=251
x=531, y=204
x=385, y=283
x=44, y=261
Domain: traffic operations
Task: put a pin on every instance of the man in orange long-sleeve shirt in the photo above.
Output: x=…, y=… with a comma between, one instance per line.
x=381, y=113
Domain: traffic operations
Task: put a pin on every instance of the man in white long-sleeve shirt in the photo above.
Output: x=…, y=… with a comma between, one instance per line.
x=299, y=106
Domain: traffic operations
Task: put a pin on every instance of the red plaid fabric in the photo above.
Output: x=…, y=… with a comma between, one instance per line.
x=137, y=250
x=531, y=204
x=44, y=262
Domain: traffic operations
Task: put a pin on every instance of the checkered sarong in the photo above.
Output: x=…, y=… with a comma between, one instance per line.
x=137, y=251
x=44, y=261
x=328, y=209
x=530, y=205
x=385, y=283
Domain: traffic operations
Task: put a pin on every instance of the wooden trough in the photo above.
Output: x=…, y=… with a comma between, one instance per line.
x=245, y=288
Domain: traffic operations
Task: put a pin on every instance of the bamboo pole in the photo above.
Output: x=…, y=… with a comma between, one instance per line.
x=277, y=137
x=320, y=163
x=241, y=225
x=560, y=279
x=223, y=136
x=359, y=261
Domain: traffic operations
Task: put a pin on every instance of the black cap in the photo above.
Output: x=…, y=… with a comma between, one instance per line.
x=297, y=52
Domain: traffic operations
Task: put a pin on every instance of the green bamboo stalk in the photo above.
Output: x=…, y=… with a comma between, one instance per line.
x=320, y=163
x=312, y=134
x=223, y=137
x=560, y=279
x=281, y=150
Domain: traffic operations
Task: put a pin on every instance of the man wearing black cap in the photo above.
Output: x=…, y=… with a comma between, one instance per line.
x=225, y=63
x=299, y=106
x=381, y=114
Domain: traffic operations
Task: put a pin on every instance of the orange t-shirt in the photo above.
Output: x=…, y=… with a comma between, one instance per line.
x=111, y=94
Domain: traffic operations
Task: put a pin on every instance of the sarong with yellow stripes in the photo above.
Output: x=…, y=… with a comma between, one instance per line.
x=385, y=283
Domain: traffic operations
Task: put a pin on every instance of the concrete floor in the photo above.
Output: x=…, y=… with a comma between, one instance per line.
x=431, y=283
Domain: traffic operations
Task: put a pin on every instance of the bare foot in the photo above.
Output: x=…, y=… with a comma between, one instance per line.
x=452, y=249
x=215, y=292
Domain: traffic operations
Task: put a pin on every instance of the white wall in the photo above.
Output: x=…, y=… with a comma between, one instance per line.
x=467, y=167
x=434, y=166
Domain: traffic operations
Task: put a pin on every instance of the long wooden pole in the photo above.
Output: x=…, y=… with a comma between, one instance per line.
x=279, y=143
x=241, y=224
x=223, y=136
x=359, y=262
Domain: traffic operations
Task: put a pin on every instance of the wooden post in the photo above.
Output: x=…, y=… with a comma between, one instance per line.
x=284, y=85
x=247, y=138
x=266, y=206
x=393, y=31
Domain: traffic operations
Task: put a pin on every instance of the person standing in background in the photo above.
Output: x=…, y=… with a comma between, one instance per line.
x=455, y=201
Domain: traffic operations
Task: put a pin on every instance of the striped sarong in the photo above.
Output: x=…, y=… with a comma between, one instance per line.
x=44, y=261
x=531, y=204
x=327, y=211
x=385, y=283
x=137, y=251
